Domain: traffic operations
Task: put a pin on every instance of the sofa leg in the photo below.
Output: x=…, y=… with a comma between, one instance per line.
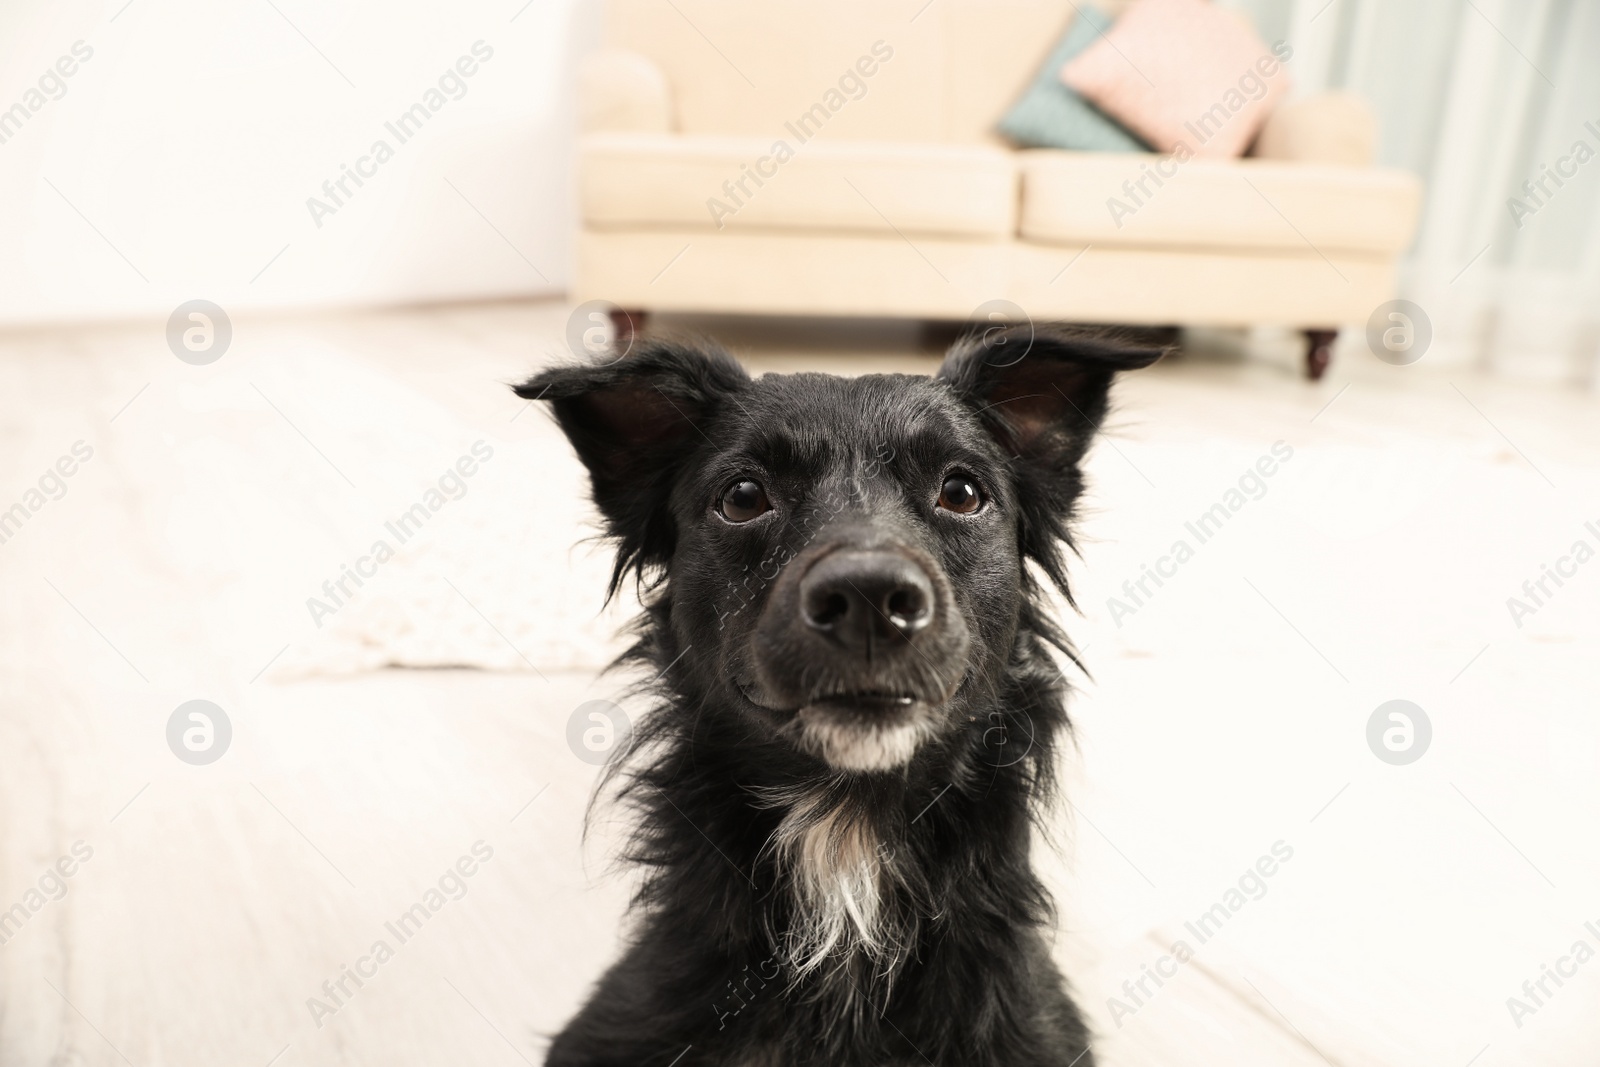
x=626, y=325
x=1319, y=352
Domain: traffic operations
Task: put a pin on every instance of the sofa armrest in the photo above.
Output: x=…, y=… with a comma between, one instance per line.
x=624, y=92
x=1336, y=128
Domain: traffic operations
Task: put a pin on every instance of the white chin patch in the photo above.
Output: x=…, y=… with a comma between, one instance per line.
x=855, y=746
x=845, y=883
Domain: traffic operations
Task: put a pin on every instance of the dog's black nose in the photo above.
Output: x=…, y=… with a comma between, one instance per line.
x=857, y=598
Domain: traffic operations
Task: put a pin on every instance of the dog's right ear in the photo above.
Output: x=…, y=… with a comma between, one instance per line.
x=633, y=422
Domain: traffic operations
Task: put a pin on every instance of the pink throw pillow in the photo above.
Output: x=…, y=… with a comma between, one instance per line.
x=1190, y=78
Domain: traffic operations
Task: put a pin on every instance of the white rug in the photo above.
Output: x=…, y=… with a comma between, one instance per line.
x=357, y=523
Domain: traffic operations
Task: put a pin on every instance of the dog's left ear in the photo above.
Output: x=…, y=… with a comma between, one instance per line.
x=633, y=422
x=1042, y=393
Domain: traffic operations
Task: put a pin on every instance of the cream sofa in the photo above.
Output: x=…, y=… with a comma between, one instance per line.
x=836, y=157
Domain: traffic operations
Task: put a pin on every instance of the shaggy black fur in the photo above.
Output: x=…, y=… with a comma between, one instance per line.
x=732, y=961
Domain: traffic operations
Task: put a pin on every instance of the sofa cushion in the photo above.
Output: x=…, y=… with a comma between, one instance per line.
x=1050, y=115
x=1186, y=75
x=1154, y=201
x=1329, y=127
x=713, y=183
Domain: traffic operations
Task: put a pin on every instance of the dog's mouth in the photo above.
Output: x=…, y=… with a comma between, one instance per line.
x=865, y=702
x=869, y=733
x=858, y=730
x=872, y=701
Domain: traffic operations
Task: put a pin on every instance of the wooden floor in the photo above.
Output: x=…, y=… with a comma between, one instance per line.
x=211, y=911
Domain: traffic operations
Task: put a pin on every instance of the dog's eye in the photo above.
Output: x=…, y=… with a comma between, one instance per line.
x=960, y=494
x=744, y=500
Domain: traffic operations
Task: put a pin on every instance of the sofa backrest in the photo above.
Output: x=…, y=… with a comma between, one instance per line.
x=749, y=67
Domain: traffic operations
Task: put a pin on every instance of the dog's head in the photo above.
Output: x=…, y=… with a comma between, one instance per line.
x=845, y=557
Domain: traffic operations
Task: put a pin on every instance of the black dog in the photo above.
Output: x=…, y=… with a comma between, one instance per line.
x=857, y=710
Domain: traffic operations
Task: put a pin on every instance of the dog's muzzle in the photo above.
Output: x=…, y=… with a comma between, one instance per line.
x=863, y=642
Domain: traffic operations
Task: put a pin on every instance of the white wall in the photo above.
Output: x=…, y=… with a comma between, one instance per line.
x=193, y=136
